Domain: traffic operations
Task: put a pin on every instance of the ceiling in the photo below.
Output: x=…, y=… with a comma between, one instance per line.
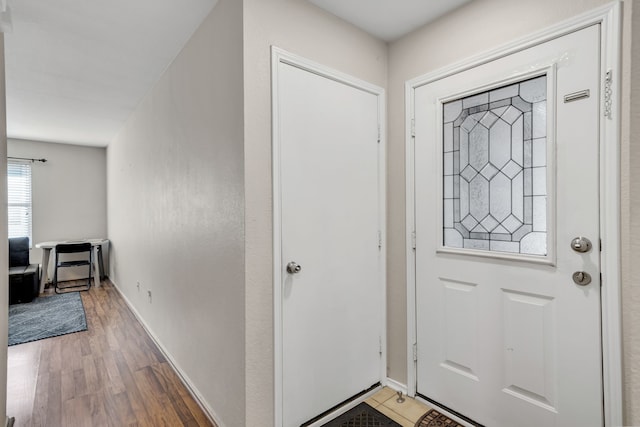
x=76, y=69
x=389, y=19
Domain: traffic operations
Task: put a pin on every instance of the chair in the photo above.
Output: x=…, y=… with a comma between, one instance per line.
x=73, y=248
x=23, y=277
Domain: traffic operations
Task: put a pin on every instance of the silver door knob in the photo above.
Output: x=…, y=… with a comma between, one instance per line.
x=581, y=278
x=293, y=268
x=581, y=244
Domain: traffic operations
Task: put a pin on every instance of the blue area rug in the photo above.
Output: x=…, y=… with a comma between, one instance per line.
x=46, y=317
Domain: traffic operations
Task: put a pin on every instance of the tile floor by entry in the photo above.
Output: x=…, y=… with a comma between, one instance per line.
x=406, y=414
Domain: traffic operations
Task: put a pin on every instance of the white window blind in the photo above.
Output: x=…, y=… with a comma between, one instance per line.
x=19, y=206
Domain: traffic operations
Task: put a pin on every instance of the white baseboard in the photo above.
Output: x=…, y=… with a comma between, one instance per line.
x=208, y=411
x=396, y=385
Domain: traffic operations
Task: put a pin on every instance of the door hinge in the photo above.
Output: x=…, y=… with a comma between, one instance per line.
x=379, y=239
x=608, y=93
x=413, y=239
x=600, y=244
x=380, y=347
x=413, y=128
x=379, y=134
x=415, y=352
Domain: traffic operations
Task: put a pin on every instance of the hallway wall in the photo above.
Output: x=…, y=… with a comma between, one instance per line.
x=176, y=212
x=630, y=159
x=477, y=27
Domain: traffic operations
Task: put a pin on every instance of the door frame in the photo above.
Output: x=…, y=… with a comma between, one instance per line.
x=609, y=17
x=278, y=56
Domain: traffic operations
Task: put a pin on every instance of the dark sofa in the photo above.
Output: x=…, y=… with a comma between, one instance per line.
x=23, y=277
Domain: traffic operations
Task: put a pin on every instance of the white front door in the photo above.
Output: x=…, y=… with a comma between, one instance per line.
x=506, y=175
x=331, y=219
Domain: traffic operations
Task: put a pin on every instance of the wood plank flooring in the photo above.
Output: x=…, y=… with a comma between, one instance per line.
x=111, y=375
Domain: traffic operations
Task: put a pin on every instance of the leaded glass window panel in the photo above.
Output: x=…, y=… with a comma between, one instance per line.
x=495, y=169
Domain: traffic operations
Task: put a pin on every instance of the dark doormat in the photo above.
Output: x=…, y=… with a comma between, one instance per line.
x=362, y=415
x=434, y=418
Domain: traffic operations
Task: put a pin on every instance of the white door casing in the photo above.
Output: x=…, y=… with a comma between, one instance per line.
x=328, y=218
x=457, y=361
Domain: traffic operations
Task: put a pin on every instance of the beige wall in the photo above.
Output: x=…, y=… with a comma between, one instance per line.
x=69, y=191
x=479, y=26
x=176, y=211
x=631, y=216
x=301, y=28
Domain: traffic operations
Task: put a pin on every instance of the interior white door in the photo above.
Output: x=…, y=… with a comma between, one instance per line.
x=330, y=223
x=506, y=175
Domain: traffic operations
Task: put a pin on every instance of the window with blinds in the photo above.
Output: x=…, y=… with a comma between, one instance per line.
x=19, y=203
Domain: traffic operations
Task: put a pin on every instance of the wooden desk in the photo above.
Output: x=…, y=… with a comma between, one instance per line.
x=46, y=253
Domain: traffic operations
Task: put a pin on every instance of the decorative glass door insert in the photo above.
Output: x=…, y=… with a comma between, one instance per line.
x=495, y=169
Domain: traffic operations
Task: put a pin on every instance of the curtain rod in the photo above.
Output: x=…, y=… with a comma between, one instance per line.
x=31, y=160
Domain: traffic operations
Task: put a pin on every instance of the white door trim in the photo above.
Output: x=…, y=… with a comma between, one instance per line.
x=609, y=17
x=281, y=56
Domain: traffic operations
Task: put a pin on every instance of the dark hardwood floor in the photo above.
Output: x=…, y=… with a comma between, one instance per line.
x=111, y=375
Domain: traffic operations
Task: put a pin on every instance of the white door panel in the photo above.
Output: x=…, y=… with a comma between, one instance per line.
x=330, y=200
x=505, y=336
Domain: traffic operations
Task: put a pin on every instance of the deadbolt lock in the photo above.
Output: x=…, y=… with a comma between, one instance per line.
x=581, y=278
